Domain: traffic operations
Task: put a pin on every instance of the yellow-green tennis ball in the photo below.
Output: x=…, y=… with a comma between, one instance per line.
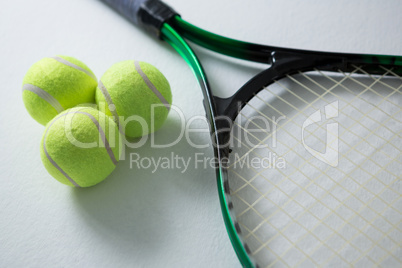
x=55, y=84
x=135, y=94
x=81, y=146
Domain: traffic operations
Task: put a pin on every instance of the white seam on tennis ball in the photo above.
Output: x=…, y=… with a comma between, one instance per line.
x=66, y=62
x=110, y=104
x=103, y=136
x=101, y=132
x=51, y=159
x=45, y=96
x=150, y=85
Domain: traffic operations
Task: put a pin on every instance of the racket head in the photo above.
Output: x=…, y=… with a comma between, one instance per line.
x=287, y=64
x=310, y=172
x=223, y=112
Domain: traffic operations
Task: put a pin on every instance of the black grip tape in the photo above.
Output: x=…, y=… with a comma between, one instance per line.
x=153, y=14
x=149, y=14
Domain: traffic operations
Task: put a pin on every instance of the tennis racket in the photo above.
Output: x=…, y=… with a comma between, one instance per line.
x=309, y=150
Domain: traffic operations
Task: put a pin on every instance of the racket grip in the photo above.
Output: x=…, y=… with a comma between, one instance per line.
x=149, y=14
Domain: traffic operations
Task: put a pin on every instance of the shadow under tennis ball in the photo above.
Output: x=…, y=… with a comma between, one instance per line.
x=127, y=208
x=138, y=209
x=123, y=211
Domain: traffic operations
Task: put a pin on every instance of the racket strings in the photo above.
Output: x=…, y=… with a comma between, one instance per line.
x=380, y=125
x=251, y=134
x=330, y=91
x=386, y=98
x=268, y=136
x=260, y=173
x=358, y=201
x=355, y=120
x=300, y=111
x=263, y=195
x=252, y=232
x=272, y=215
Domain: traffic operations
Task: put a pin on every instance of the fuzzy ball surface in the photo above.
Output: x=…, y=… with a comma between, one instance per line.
x=137, y=95
x=55, y=84
x=81, y=146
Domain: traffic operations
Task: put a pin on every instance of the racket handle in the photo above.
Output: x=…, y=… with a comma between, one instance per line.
x=149, y=14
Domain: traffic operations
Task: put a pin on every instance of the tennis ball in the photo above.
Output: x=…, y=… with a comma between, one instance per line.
x=54, y=84
x=81, y=146
x=136, y=95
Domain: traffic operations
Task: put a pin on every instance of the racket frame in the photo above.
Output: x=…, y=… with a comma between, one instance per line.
x=281, y=62
x=165, y=23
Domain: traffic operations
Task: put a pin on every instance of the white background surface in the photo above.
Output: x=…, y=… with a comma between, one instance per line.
x=136, y=217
